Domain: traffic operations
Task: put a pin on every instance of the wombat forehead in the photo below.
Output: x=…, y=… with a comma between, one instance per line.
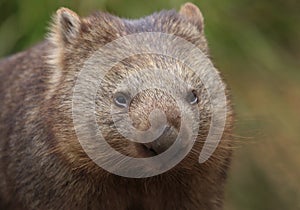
x=153, y=96
x=154, y=70
x=156, y=84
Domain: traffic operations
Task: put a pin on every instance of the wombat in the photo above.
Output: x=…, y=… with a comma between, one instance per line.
x=42, y=163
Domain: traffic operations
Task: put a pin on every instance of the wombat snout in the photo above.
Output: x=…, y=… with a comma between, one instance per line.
x=163, y=142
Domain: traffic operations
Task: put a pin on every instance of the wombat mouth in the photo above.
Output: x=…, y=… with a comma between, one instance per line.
x=148, y=150
x=159, y=145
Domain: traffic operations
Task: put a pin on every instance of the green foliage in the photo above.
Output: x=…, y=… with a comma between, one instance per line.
x=255, y=44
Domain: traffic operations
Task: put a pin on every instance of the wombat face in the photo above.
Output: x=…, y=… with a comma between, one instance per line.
x=150, y=83
x=132, y=105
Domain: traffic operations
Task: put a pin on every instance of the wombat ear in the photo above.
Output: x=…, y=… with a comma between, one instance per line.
x=66, y=26
x=192, y=13
x=65, y=29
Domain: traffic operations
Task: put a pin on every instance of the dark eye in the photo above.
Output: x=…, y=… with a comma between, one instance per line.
x=192, y=97
x=121, y=100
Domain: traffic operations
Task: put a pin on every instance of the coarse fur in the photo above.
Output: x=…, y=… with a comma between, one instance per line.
x=42, y=164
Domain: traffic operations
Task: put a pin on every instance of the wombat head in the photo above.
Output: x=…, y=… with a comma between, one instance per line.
x=122, y=110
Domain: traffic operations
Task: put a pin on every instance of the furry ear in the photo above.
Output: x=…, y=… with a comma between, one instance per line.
x=193, y=14
x=66, y=26
x=65, y=30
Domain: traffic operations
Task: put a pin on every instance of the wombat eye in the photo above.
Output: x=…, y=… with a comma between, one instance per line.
x=192, y=97
x=121, y=100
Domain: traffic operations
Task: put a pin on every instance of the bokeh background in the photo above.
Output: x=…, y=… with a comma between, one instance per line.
x=255, y=44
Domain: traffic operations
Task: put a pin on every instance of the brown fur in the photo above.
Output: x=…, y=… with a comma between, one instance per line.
x=42, y=165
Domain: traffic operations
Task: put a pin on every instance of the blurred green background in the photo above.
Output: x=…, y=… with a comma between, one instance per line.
x=255, y=44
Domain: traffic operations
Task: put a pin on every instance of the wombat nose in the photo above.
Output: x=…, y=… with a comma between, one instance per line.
x=163, y=142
